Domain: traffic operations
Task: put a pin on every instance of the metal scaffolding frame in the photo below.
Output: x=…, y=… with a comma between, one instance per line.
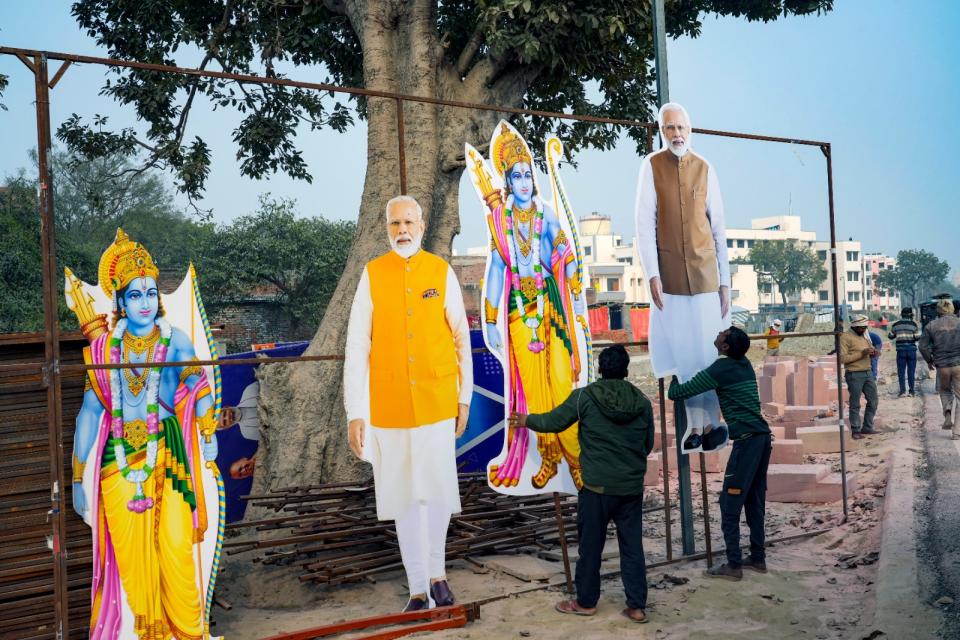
x=52, y=370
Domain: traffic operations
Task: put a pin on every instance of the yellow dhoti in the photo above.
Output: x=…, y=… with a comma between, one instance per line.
x=155, y=549
x=546, y=379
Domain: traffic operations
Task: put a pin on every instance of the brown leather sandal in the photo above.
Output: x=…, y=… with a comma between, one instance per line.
x=635, y=615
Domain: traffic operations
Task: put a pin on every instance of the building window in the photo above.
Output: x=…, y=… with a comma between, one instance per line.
x=734, y=294
x=824, y=295
x=853, y=276
x=750, y=244
x=767, y=287
x=741, y=244
x=613, y=284
x=883, y=265
x=586, y=251
x=729, y=243
x=822, y=254
x=867, y=281
x=625, y=260
x=853, y=256
x=618, y=242
x=853, y=296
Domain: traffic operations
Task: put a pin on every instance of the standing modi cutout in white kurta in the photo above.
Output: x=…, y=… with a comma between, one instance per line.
x=682, y=333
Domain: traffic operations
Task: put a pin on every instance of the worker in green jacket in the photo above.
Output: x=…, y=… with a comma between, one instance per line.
x=616, y=435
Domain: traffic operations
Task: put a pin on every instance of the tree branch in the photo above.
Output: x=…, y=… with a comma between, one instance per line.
x=477, y=38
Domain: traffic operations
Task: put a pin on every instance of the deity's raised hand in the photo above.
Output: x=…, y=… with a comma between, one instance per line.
x=209, y=448
x=493, y=338
x=580, y=305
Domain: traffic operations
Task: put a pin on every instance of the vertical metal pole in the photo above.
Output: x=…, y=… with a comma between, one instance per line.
x=684, y=490
x=51, y=367
x=683, y=462
x=706, y=509
x=563, y=541
x=401, y=145
x=838, y=327
x=660, y=51
x=665, y=460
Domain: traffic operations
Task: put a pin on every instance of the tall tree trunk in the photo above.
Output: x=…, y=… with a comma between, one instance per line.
x=301, y=405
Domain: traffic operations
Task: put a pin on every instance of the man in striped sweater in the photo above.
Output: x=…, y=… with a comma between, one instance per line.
x=745, y=480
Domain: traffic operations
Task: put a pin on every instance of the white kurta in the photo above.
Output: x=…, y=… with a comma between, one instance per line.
x=682, y=334
x=419, y=463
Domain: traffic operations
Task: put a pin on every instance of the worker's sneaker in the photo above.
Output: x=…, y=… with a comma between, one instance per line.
x=693, y=442
x=759, y=566
x=901, y=394
x=724, y=571
x=857, y=435
x=868, y=431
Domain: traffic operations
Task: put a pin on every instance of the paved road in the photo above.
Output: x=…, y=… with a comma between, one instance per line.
x=940, y=543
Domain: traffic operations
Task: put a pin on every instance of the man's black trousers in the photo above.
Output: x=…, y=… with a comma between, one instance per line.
x=594, y=513
x=745, y=488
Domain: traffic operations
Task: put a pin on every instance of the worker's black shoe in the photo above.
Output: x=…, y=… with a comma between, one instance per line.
x=693, y=442
x=869, y=432
x=759, y=566
x=725, y=571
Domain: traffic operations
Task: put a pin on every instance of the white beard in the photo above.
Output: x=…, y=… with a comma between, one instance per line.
x=680, y=152
x=408, y=250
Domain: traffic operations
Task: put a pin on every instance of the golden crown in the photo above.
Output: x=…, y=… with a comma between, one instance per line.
x=123, y=261
x=509, y=149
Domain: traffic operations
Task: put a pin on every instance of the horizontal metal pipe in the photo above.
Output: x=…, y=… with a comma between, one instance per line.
x=371, y=93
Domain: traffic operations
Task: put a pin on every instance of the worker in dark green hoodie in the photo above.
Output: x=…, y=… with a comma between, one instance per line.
x=616, y=435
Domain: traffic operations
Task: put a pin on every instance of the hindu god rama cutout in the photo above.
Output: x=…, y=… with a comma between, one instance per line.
x=533, y=308
x=144, y=476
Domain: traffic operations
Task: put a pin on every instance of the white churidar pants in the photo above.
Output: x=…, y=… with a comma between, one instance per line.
x=415, y=479
x=681, y=344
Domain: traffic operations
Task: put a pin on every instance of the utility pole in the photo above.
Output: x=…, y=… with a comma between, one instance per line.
x=680, y=414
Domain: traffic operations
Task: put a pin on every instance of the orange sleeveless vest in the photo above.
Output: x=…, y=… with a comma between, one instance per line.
x=413, y=362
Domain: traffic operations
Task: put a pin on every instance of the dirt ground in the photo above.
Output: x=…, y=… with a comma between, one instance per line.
x=819, y=587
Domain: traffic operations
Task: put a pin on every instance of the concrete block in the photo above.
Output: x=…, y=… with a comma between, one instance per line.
x=773, y=389
x=716, y=461
x=773, y=409
x=827, y=489
x=789, y=482
x=787, y=452
x=778, y=432
x=652, y=477
x=797, y=387
x=825, y=439
x=657, y=444
x=524, y=567
x=819, y=386
x=801, y=413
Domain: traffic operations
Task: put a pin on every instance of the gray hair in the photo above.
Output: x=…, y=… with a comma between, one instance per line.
x=398, y=200
x=673, y=106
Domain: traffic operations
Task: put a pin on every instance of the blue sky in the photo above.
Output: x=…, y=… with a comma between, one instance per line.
x=878, y=79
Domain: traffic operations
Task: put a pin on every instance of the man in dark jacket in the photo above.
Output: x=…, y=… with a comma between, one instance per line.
x=940, y=347
x=745, y=480
x=616, y=435
x=906, y=333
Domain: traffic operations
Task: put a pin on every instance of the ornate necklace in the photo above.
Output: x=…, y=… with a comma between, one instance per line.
x=137, y=345
x=531, y=321
x=524, y=242
x=137, y=381
x=525, y=215
x=140, y=502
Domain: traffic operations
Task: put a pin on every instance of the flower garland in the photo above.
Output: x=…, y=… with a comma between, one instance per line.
x=532, y=321
x=140, y=502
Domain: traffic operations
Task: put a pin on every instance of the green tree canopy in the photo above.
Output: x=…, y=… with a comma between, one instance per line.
x=916, y=275
x=787, y=264
x=294, y=261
